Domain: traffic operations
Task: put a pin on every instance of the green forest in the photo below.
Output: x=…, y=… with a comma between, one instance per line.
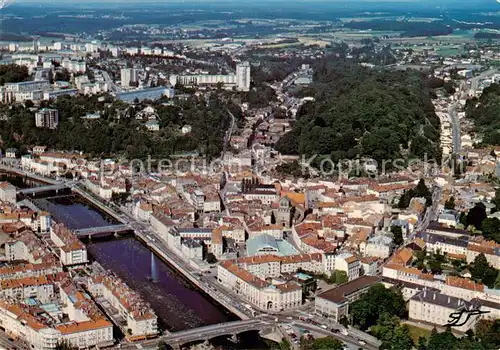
x=118, y=132
x=12, y=73
x=485, y=113
x=364, y=112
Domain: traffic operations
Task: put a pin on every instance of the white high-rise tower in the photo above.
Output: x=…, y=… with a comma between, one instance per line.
x=243, y=76
x=128, y=75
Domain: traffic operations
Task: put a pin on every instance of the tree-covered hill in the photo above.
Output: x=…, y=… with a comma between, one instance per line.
x=118, y=132
x=485, y=113
x=364, y=112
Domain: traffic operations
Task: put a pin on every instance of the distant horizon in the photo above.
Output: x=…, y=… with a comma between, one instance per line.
x=358, y=5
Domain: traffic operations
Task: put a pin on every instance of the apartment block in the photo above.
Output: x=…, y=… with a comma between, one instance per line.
x=334, y=303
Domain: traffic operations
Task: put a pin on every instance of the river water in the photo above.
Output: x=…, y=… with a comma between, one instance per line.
x=73, y=211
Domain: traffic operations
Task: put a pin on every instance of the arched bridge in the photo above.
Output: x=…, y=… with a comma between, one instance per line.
x=216, y=330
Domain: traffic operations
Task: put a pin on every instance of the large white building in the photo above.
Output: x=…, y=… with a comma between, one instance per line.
x=264, y=295
x=128, y=76
x=258, y=279
x=30, y=61
x=28, y=287
x=22, y=91
x=240, y=80
x=74, y=66
x=436, y=308
x=72, y=250
x=84, y=325
x=26, y=246
x=47, y=118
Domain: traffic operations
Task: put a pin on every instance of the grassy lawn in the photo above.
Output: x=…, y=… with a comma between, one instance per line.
x=449, y=51
x=416, y=332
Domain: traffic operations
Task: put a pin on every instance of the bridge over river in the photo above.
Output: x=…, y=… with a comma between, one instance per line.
x=216, y=330
x=114, y=229
x=47, y=188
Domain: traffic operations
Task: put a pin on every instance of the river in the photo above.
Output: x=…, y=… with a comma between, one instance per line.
x=73, y=211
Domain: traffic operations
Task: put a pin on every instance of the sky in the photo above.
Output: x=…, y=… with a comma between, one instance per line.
x=436, y=2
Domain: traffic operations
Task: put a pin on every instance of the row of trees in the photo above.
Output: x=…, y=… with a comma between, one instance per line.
x=337, y=276
x=329, y=343
x=379, y=310
x=477, y=218
x=377, y=301
x=420, y=191
x=485, y=336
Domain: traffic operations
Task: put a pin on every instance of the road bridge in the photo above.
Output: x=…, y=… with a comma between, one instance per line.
x=15, y=170
x=91, y=231
x=217, y=330
x=47, y=188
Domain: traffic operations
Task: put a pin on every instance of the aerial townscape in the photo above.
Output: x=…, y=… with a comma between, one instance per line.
x=250, y=175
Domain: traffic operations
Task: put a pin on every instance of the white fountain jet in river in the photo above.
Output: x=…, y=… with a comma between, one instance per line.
x=154, y=277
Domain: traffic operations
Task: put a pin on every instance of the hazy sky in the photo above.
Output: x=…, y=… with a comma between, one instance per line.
x=437, y=3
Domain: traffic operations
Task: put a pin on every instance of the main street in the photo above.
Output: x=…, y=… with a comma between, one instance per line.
x=430, y=214
x=112, y=86
x=455, y=122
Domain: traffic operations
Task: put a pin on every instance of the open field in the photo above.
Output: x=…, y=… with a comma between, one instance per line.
x=452, y=51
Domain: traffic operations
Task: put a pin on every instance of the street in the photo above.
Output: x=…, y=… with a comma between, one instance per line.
x=455, y=122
